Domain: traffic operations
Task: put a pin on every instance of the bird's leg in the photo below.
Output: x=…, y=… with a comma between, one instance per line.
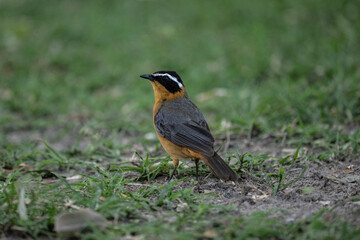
x=197, y=169
x=176, y=164
x=197, y=173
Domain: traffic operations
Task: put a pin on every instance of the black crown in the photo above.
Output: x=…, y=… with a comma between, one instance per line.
x=169, y=79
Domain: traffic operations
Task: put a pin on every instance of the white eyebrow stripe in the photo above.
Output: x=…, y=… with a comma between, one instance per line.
x=169, y=76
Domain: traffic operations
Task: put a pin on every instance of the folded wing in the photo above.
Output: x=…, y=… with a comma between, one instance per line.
x=189, y=131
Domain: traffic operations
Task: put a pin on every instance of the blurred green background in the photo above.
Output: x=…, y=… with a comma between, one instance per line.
x=69, y=74
x=268, y=64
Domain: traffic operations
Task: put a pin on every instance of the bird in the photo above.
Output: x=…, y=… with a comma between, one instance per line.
x=181, y=128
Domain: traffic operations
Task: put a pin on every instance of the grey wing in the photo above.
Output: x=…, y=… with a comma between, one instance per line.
x=192, y=133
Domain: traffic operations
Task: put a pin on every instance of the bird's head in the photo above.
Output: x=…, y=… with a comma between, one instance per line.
x=167, y=85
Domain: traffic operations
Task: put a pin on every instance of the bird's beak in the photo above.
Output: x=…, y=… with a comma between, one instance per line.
x=148, y=76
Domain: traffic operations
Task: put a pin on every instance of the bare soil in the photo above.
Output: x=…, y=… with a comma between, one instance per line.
x=325, y=184
x=332, y=186
x=329, y=184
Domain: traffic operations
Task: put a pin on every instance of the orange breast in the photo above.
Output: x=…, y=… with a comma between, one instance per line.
x=178, y=152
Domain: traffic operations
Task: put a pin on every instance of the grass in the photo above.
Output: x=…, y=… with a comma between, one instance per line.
x=172, y=208
x=72, y=104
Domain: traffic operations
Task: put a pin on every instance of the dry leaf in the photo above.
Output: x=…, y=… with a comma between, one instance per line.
x=259, y=197
x=22, y=206
x=181, y=207
x=75, y=222
x=74, y=178
x=325, y=203
x=210, y=234
x=349, y=168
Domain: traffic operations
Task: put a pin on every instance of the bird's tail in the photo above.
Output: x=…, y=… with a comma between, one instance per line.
x=220, y=168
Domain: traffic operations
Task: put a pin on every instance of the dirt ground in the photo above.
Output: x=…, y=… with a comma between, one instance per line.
x=330, y=184
x=325, y=184
x=331, y=189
